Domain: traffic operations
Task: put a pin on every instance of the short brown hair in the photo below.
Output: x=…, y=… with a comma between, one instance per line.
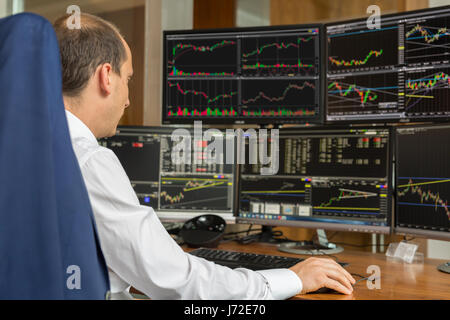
x=83, y=50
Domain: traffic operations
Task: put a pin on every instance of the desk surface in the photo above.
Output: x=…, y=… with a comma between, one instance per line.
x=399, y=281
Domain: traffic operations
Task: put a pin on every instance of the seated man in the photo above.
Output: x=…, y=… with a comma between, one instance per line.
x=97, y=65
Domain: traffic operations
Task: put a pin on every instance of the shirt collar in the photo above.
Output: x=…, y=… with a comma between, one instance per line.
x=78, y=129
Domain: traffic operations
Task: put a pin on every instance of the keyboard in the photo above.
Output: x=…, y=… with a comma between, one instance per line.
x=252, y=261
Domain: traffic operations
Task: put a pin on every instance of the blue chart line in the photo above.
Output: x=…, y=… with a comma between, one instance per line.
x=417, y=204
x=414, y=38
x=365, y=89
x=359, y=32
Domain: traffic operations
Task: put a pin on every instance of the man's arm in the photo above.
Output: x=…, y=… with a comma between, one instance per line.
x=141, y=252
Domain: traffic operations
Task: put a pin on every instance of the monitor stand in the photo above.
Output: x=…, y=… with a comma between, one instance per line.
x=267, y=235
x=321, y=247
x=445, y=267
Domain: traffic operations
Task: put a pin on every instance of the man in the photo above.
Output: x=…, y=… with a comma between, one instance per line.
x=97, y=65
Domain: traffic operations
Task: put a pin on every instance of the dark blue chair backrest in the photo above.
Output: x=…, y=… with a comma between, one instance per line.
x=49, y=248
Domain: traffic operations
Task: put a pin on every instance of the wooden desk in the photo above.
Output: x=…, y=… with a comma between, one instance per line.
x=399, y=281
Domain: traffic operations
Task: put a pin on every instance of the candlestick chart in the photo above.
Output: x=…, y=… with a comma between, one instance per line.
x=427, y=92
x=200, y=58
x=279, y=98
x=202, y=98
x=279, y=56
x=360, y=94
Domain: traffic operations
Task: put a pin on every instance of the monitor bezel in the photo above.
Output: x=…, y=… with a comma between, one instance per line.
x=381, y=121
x=318, y=119
x=327, y=225
x=406, y=231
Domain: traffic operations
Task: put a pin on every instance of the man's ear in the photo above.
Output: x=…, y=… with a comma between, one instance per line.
x=104, y=76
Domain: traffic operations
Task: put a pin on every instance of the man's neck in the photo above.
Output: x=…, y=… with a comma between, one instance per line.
x=77, y=108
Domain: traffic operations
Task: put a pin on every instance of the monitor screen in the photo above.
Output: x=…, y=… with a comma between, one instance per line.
x=246, y=75
x=178, y=188
x=336, y=179
x=397, y=72
x=423, y=181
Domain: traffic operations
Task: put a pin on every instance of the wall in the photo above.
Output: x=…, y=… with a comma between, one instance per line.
x=5, y=9
x=131, y=22
x=438, y=249
x=214, y=14
x=129, y=16
x=437, y=3
x=307, y=11
x=251, y=13
x=160, y=15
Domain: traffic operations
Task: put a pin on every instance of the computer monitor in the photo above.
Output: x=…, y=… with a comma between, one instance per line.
x=328, y=178
x=263, y=75
x=397, y=72
x=422, y=186
x=423, y=181
x=181, y=188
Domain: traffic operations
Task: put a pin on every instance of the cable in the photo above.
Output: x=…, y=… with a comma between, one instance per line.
x=365, y=278
x=231, y=233
x=358, y=275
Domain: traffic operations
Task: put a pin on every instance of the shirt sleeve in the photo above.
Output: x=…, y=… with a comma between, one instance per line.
x=139, y=250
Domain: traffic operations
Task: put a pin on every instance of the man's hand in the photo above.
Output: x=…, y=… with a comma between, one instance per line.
x=316, y=273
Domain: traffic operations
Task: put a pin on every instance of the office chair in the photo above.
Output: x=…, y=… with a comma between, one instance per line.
x=49, y=248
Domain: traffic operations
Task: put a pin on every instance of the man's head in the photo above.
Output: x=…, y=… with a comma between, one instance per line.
x=97, y=66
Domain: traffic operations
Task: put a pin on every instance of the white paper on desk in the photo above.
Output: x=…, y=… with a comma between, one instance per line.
x=406, y=251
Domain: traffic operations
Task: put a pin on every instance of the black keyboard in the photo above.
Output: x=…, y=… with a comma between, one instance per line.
x=252, y=261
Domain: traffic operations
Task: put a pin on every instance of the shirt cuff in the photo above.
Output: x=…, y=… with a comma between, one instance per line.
x=283, y=283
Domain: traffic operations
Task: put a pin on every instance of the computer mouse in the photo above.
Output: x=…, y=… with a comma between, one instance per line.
x=324, y=290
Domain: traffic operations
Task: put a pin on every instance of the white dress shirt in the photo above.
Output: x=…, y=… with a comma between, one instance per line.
x=141, y=253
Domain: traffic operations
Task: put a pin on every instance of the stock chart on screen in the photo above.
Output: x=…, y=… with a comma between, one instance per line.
x=335, y=178
x=176, y=190
x=423, y=179
x=247, y=75
x=398, y=72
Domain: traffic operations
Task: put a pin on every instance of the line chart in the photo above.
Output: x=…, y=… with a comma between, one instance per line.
x=199, y=58
x=202, y=98
x=278, y=98
x=428, y=41
x=409, y=194
x=194, y=193
x=348, y=194
x=343, y=197
x=279, y=55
